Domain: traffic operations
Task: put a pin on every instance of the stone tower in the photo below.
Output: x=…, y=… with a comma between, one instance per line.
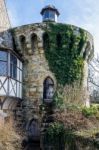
x=4, y=19
x=28, y=79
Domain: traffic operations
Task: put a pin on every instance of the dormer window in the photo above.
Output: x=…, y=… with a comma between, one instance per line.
x=50, y=13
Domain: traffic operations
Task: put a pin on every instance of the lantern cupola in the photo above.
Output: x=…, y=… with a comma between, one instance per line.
x=50, y=13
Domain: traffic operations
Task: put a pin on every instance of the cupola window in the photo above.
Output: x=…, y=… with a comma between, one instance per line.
x=50, y=13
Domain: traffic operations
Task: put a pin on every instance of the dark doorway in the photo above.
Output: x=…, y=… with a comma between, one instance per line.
x=33, y=131
x=33, y=145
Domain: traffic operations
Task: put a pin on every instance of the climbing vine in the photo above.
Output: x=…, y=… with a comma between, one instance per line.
x=63, y=52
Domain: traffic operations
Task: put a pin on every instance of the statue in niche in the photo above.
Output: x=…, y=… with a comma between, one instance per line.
x=48, y=92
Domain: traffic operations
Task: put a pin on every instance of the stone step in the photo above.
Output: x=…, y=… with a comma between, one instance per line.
x=45, y=125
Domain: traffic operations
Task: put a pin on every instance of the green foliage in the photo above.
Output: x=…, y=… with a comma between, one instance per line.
x=58, y=137
x=70, y=140
x=58, y=100
x=64, y=59
x=55, y=129
x=55, y=136
x=68, y=97
x=91, y=111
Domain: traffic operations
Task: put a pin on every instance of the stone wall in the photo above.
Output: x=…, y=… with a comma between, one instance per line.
x=35, y=68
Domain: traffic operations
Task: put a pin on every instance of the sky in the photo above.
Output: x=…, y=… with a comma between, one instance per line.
x=82, y=13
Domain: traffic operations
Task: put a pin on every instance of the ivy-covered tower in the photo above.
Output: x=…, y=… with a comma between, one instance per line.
x=50, y=55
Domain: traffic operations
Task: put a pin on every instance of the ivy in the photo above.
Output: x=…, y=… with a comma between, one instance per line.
x=64, y=60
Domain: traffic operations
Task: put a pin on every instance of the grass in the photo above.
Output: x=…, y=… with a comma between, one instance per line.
x=89, y=133
x=9, y=139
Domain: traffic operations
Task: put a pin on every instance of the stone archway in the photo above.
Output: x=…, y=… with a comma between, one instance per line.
x=33, y=131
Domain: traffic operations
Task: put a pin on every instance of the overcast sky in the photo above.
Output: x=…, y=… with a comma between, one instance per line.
x=82, y=13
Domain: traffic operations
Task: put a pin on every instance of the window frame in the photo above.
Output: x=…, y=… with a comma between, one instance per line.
x=13, y=66
x=6, y=62
x=9, y=78
x=48, y=15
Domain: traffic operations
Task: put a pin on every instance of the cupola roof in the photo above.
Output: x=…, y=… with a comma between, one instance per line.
x=50, y=7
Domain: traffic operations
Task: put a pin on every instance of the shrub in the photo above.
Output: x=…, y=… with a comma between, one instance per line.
x=87, y=112
x=70, y=97
x=55, y=136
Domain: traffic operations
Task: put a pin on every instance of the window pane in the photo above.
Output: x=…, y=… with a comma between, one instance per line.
x=3, y=55
x=13, y=66
x=20, y=65
x=46, y=15
x=13, y=60
x=13, y=71
x=51, y=15
x=20, y=76
x=3, y=68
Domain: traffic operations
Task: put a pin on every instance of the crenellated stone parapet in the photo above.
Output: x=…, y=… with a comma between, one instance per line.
x=38, y=29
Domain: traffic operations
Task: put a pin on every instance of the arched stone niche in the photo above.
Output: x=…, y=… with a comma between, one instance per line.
x=59, y=40
x=48, y=90
x=33, y=129
x=46, y=41
x=22, y=40
x=34, y=43
x=87, y=51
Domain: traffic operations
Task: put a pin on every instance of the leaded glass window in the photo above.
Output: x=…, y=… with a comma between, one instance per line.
x=3, y=56
x=46, y=15
x=10, y=74
x=3, y=63
x=3, y=68
x=13, y=66
x=51, y=15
